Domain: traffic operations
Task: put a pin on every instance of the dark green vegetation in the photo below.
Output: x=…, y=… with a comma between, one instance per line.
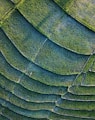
x=47, y=60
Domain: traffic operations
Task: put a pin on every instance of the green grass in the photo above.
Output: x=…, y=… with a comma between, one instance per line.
x=47, y=60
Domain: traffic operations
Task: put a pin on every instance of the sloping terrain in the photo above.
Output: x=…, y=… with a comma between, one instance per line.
x=47, y=60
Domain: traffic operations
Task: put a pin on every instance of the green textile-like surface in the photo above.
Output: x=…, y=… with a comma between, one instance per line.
x=47, y=60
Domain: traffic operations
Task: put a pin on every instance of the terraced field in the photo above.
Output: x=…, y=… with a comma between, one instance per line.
x=47, y=59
